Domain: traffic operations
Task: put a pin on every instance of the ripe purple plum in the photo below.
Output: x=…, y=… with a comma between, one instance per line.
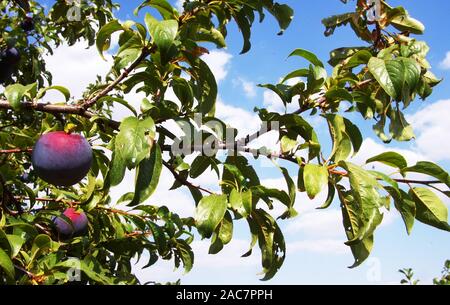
x=77, y=225
x=62, y=159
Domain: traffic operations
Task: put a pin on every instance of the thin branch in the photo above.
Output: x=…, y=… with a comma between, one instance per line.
x=182, y=180
x=68, y=202
x=16, y=150
x=418, y=181
x=90, y=102
x=54, y=109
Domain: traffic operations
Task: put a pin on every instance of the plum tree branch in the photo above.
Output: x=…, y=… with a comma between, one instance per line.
x=54, y=109
x=15, y=150
x=90, y=102
x=182, y=180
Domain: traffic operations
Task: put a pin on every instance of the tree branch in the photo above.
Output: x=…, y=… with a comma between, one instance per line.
x=54, y=109
x=184, y=181
x=90, y=102
x=16, y=150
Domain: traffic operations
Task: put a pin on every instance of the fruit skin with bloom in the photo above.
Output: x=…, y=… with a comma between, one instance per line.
x=75, y=223
x=62, y=159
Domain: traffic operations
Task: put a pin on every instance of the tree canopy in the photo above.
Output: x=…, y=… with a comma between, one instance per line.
x=379, y=79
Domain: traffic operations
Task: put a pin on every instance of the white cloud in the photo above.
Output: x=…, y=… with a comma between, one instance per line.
x=431, y=125
x=370, y=148
x=230, y=256
x=244, y=121
x=445, y=63
x=248, y=86
x=218, y=61
x=74, y=67
x=318, y=223
x=320, y=246
x=178, y=201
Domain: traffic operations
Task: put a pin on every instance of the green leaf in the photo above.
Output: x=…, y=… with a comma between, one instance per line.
x=16, y=242
x=148, y=173
x=405, y=205
x=163, y=32
x=241, y=202
x=295, y=124
x=311, y=57
x=365, y=193
x=315, y=177
x=244, y=26
x=104, y=35
x=183, y=91
x=336, y=21
x=406, y=23
x=430, y=209
x=379, y=70
x=6, y=264
x=338, y=94
x=283, y=91
x=396, y=75
x=222, y=235
x=342, y=144
x=296, y=73
x=330, y=196
x=430, y=169
x=131, y=146
x=284, y=15
x=63, y=90
x=355, y=135
x=352, y=223
x=399, y=128
x=211, y=35
x=270, y=241
x=209, y=213
x=390, y=158
x=14, y=94
x=265, y=193
x=164, y=8
x=206, y=88
x=120, y=101
x=361, y=251
x=287, y=144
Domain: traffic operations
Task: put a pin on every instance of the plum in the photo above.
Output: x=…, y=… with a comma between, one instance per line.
x=62, y=159
x=28, y=24
x=75, y=223
x=9, y=59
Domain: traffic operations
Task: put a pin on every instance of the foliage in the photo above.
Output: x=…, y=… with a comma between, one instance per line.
x=443, y=280
x=378, y=80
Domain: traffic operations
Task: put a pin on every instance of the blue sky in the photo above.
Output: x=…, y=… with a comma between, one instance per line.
x=315, y=252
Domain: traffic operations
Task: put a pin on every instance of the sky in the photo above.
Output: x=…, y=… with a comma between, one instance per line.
x=315, y=250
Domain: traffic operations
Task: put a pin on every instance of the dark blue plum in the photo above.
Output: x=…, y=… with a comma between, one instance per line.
x=9, y=59
x=28, y=24
x=75, y=223
x=62, y=159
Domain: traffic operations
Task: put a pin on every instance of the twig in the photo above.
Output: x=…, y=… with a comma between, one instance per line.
x=90, y=102
x=16, y=150
x=54, y=109
x=184, y=181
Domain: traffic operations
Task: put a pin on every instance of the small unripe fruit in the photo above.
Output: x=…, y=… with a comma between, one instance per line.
x=75, y=223
x=62, y=159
